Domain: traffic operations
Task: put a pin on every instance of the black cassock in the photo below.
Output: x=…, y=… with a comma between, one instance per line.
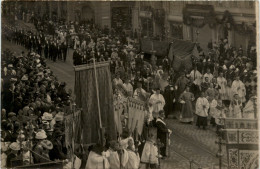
x=162, y=134
x=169, y=95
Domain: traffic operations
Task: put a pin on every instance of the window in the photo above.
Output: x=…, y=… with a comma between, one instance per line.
x=176, y=30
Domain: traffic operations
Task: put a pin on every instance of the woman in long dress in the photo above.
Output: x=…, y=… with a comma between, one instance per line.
x=186, y=99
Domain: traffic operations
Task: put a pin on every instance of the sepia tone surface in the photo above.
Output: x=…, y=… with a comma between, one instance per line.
x=100, y=74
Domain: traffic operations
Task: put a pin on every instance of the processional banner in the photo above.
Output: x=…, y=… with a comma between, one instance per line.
x=86, y=98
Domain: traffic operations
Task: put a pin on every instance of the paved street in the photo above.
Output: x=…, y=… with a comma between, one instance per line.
x=187, y=142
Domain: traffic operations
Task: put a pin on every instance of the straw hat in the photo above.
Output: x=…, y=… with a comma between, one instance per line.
x=47, y=116
x=41, y=135
x=11, y=114
x=59, y=117
x=47, y=144
x=14, y=146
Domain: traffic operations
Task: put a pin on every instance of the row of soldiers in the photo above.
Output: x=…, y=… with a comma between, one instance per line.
x=52, y=48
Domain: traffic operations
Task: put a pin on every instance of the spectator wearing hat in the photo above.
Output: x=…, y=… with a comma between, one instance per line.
x=15, y=147
x=57, y=152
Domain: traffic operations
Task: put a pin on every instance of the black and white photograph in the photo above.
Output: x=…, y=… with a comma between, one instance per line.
x=129, y=84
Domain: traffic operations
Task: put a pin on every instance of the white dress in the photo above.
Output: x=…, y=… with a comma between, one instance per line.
x=150, y=153
x=222, y=82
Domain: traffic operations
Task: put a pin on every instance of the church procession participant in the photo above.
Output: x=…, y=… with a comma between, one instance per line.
x=186, y=99
x=202, y=106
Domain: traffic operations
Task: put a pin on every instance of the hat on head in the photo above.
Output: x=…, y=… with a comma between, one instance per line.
x=224, y=67
x=14, y=146
x=47, y=116
x=232, y=67
x=13, y=79
x=41, y=135
x=11, y=114
x=47, y=144
x=59, y=117
x=24, y=78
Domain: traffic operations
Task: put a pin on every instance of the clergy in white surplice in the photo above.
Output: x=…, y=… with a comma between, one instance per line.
x=238, y=87
x=202, y=107
x=157, y=101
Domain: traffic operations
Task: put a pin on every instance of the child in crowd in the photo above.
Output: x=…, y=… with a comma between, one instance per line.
x=219, y=116
x=235, y=107
x=150, y=152
x=213, y=111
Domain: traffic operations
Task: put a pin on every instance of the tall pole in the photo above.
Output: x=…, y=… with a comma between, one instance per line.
x=98, y=104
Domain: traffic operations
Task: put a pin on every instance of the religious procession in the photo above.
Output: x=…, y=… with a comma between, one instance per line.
x=121, y=90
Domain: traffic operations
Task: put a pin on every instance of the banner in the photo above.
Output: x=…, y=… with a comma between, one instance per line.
x=86, y=98
x=136, y=115
x=69, y=133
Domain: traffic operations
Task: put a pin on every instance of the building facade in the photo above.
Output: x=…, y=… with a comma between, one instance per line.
x=201, y=22
x=196, y=21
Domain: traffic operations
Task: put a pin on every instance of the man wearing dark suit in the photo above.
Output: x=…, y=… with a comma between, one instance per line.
x=64, y=49
x=59, y=51
x=162, y=132
x=169, y=96
x=46, y=50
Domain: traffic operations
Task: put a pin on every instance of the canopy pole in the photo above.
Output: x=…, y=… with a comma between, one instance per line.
x=97, y=91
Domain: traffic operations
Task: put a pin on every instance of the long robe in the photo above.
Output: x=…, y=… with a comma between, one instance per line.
x=113, y=159
x=169, y=96
x=249, y=110
x=235, y=108
x=238, y=87
x=154, y=99
x=150, y=153
x=196, y=76
x=96, y=161
x=187, y=110
x=133, y=160
x=180, y=85
x=202, y=106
